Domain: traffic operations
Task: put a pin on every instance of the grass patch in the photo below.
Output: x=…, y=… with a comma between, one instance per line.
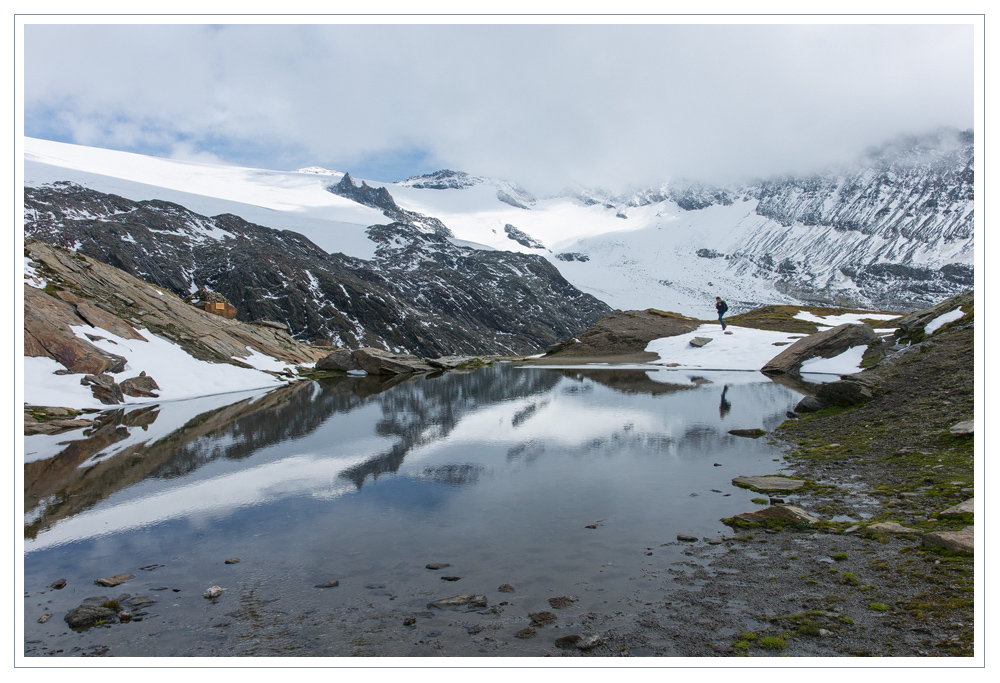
x=773, y=642
x=840, y=557
x=878, y=606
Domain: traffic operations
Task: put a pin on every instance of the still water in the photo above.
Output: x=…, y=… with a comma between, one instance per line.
x=497, y=472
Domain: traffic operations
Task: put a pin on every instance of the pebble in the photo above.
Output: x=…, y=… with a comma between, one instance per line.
x=232, y=560
x=506, y=588
x=329, y=584
x=45, y=617
x=451, y=578
x=58, y=584
x=437, y=565
x=526, y=633
x=213, y=592
x=686, y=538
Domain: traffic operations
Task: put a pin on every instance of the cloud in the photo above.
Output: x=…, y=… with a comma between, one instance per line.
x=544, y=105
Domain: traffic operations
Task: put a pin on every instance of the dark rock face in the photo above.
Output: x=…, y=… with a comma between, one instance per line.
x=141, y=386
x=573, y=256
x=421, y=293
x=521, y=237
x=825, y=344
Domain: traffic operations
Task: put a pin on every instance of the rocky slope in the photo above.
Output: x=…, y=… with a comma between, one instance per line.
x=67, y=290
x=421, y=294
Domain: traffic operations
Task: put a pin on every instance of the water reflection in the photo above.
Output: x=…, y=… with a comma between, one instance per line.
x=322, y=440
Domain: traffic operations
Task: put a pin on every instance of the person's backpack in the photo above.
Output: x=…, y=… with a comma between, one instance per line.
x=725, y=307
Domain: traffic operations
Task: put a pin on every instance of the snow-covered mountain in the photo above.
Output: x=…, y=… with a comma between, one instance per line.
x=895, y=230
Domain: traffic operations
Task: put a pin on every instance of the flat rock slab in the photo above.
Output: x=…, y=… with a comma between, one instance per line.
x=957, y=541
x=963, y=428
x=749, y=433
x=893, y=527
x=460, y=601
x=769, y=483
x=966, y=507
x=779, y=512
x=700, y=341
x=111, y=581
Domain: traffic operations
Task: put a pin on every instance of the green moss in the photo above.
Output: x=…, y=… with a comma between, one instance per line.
x=840, y=557
x=878, y=606
x=773, y=642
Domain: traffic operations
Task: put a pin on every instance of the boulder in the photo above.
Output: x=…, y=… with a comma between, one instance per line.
x=700, y=341
x=341, y=359
x=966, y=428
x=104, y=388
x=825, y=344
x=957, y=541
x=845, y=392
x=770, y=483
x=966, y=507
x=142, y=386
x=779, y=512
x=86, y=615
x=917, y=321
x=810, y=404
x=452, y=362
x=379, y=362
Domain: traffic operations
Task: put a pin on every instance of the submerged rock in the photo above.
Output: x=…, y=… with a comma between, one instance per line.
x=460, y=601
x=769, y=483
x=749, y=433
x=788, y=513
x=87, y=615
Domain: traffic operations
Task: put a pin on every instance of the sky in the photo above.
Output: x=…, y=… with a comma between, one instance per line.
x=544, y=105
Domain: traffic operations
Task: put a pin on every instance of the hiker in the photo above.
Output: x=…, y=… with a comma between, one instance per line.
x=721, y=307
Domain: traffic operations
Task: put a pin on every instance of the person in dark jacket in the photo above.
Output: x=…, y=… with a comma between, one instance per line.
x=721, y=307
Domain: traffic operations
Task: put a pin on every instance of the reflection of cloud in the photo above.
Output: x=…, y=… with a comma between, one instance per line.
x=305, y=474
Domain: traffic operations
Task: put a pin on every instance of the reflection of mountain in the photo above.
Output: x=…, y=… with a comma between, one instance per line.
x=67, y=484
x=417, y=416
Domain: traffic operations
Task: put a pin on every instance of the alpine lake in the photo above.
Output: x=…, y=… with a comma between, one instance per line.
x=534, y=490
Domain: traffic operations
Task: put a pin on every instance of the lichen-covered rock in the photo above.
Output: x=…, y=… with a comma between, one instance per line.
x=87, y=615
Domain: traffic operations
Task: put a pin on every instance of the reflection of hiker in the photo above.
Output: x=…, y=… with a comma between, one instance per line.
x=724, y=405
x=721, y=307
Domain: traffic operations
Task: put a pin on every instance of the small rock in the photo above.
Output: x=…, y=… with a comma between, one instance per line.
x=785, y=512
x=686, y=538
x=111, y=581
x=451, y=578
x=375, y=586
x=727, y=332
x=714, y=541
x=213, y=592
x=823, y=632
x=139, y=601
x=568, y=642
x=893, y=527
x=541, y=618
x=459, y=601
x=329, y=584
x=810, y=404
x=698, y=342
x=409, y=621
x=561, y=602
x=775, y=501
x=124, y=616
x=58, y=584
x=769, y=483
x=437, y=565
x=506, y=588
x=851, y=529
x=589, y=642
x=45, y=617
x=526, y=633
x=232, y=560
x=716, y=464
x=749, y=433
x=792, y=415
x=590, y=526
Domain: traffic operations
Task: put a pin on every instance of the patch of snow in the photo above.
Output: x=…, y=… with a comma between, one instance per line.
x=179, y=375
x=31, y=275
x=943, y=319
x=846, y=363
x=745, y=349
x=834, y=320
